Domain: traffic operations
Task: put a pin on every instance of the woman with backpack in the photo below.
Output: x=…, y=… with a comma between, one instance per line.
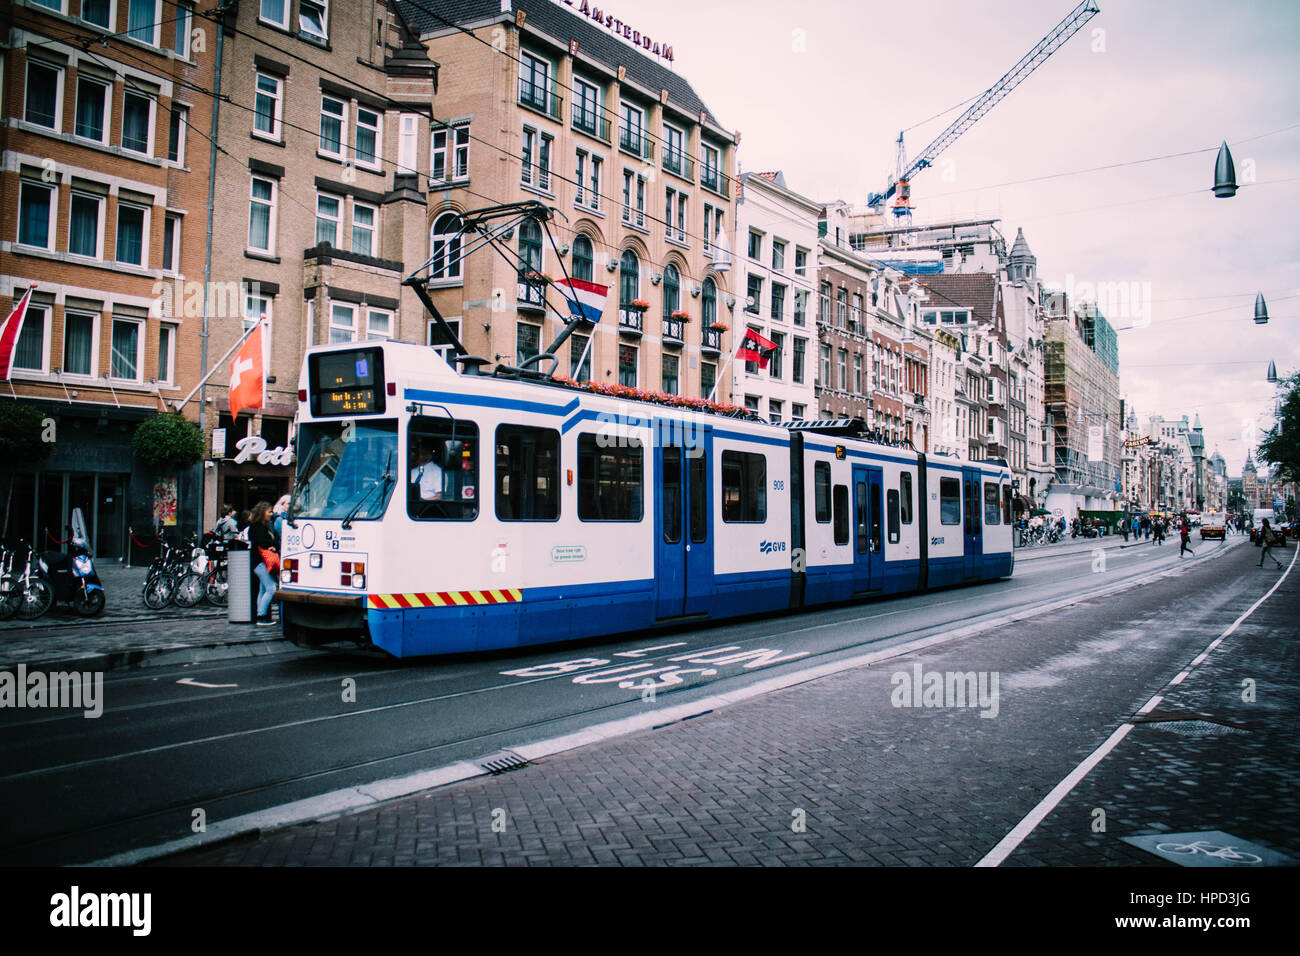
x=1268, y=538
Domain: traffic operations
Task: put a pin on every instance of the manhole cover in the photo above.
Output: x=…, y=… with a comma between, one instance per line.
x=1195, y=728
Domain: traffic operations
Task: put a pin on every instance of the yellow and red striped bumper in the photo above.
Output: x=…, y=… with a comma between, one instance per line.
x=397, y=602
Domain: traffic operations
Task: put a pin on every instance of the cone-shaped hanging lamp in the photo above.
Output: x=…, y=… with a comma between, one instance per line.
x=1261, y=310
x=1225, y=174
x=1272, y=372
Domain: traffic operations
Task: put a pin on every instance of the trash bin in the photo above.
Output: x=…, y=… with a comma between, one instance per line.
x=239, y=589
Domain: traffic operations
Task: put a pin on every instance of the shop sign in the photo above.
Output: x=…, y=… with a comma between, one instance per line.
x=256, y=445
x=621, y=29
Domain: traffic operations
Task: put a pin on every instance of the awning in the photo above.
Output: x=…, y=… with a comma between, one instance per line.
x=1024, y=503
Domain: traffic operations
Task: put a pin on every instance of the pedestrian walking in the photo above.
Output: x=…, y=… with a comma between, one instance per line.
x=1268, y=538
x=228, y=525
x=1185, y=537
x=1124, y=528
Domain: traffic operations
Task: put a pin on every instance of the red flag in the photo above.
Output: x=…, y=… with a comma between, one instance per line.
x=755, y=348
x=10, y=331
x=246, y=374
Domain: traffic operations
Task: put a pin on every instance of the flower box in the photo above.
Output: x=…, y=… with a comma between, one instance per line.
x=540, y=278
x=719, y=326
x=640, y=305
x=681, y=316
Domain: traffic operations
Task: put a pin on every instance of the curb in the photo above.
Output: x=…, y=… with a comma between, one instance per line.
x=353, y=799
x=161, y=656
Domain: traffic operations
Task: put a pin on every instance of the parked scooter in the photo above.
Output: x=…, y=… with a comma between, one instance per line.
x=72, y=574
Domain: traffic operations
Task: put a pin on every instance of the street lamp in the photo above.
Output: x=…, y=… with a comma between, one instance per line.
x=1272, y=372
x=1261, y=310
x=1225, y=174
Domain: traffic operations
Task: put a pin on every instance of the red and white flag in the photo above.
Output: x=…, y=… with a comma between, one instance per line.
x=10, y=331
x=246, y=374
x=755, y=348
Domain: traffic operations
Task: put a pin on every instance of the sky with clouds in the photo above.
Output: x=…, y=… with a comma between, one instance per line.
x=820, y=89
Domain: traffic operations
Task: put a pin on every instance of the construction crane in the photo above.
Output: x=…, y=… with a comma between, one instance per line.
x=900, y=183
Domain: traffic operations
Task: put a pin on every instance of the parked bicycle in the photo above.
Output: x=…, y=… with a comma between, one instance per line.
x=24, y=589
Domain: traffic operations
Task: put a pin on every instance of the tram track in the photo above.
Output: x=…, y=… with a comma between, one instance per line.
x=509, y=734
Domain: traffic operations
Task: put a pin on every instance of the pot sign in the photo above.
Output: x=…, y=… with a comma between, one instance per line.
x=256, y=445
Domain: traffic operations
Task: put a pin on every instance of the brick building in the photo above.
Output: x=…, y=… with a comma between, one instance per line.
x=104, y=171
x=546, y=103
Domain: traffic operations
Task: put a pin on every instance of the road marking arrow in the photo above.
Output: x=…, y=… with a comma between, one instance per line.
x=193, y=683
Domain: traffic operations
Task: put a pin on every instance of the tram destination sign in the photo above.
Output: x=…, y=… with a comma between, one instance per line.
x=349, y=382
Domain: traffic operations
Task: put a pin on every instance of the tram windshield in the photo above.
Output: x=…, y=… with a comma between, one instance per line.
x=346, y=469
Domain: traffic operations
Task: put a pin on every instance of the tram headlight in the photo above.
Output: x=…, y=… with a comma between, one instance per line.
x=315, y=560
x=358, y=580
x=286, y=576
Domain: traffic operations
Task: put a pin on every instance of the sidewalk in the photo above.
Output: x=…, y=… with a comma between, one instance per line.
x=828, y=772
x=1108, y=542
x=129, y=633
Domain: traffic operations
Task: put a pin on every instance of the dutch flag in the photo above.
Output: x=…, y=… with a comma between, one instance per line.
x=586, y=299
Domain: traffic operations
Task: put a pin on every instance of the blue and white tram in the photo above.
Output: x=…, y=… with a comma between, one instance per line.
x=438, y=512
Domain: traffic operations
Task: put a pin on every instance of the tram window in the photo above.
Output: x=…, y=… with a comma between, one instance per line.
x=744, y=487
x=697, y=468
x=442, y=459
x=822, y=490
x=528, y=473
x=610, y=480
x=992, y=506
x=860, y=503
x=1006, y=504
x=671, y=491
x=840, y=500
x=891, y=508
x=949, y=501
x=905, y=490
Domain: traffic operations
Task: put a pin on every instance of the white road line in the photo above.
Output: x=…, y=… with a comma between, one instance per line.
x=1007, y=845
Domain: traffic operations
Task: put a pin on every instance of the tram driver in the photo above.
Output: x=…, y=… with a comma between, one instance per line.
x=427, y=474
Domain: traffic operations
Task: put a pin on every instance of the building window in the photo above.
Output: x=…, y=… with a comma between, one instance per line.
x=267, y=106
x=313, y=19
x=842, y=308
x=275, y=12
x=673, y=156
x=137, y=123
x=408, y=131
x=125, y=363
x=176, y=127
x=368, y=138
x=171, y=242
x=444, y=242
x=181, y=38
x=824, y=304
x=44, y=95
x=530, y=245
x=796, y=368
x=631, y=128
x=98, y=12
x=364, y=218
x=333, y=123
x=755, y=293
x=857, y=373
x=534, y=81
x=633, y=198
x=261, y=215
x=826, y=367
x=29, y=353
x=627, y=365
x=778, y=255
x=629, y=278
x=527, y=342
x=379, y=324
x=579, y=353
x=450, y=154
x=438, y=340
x=710, y=176
x=79, y=343
x=775, y=410
x=800, y=307
x=797, y=412
x=672, y=297
x=85, y=235
x=587, y=180
x=670, y=367
x=142, y=21
x=842, y=365
x=800, y=261
x=131, y=231
x=35, y=214
x=343, y=322
x=92, y=110
x=755, y=245
x=708, y=378
x=329, y=216
x=709, y=303
x=774, y=364
x=166, y=352
x=778, y=302
x=583, y=259
x=586, y=106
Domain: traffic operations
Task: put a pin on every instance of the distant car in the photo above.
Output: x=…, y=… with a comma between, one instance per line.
x=1212, y=527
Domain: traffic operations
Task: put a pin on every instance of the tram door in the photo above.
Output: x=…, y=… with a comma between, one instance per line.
x=973, y=549
x=868, y=540
x=683, y=506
